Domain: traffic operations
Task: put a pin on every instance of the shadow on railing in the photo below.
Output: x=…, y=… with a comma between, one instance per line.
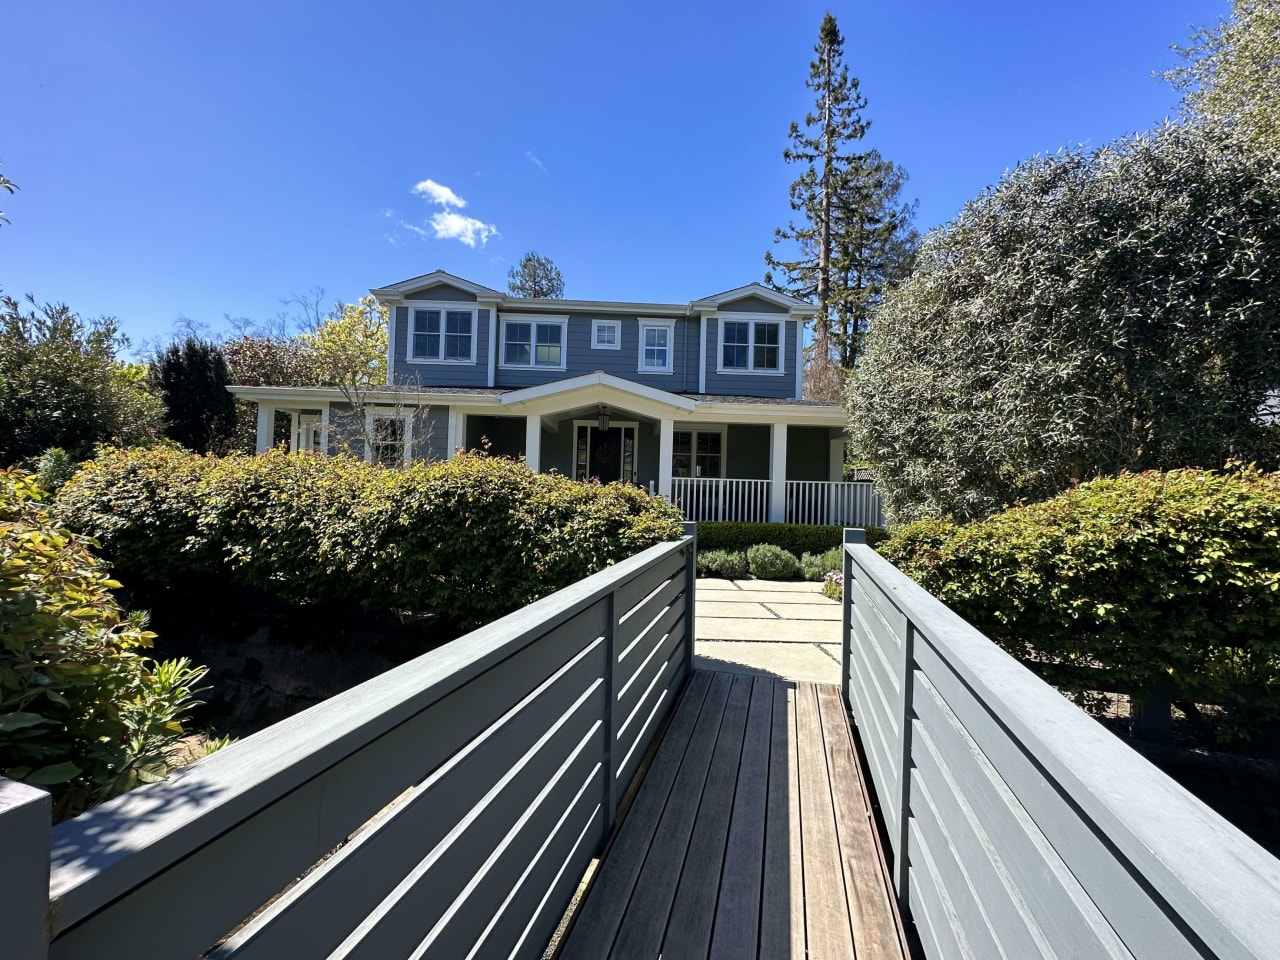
x=1019, y=826
x=447, y=808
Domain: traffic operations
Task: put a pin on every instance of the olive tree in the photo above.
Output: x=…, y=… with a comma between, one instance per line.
x=1091, y=313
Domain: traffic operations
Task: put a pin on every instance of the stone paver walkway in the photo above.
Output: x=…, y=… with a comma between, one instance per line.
x=769, y=628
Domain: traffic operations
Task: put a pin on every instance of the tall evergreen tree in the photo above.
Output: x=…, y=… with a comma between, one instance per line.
x=853, y=237
x=536, y=276
x=192, y=377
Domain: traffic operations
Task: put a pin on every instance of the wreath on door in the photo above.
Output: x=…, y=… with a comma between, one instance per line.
x=604, y=453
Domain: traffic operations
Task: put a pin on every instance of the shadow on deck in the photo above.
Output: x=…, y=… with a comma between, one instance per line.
x=750, y=836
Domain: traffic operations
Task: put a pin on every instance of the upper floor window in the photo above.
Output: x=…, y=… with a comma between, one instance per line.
x=656, y=345
x=534, y=343
x=606, y=335
x=443, y=334
x=753, y=346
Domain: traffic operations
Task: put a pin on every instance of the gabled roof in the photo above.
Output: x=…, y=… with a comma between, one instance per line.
x=752, y=290
x=600, y=385
x=436, y=277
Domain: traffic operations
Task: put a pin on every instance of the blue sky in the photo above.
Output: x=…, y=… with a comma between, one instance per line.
x=211, y=159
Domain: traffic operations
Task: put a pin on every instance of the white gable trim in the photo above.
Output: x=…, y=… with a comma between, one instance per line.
x=433, y=279
x=558, y=388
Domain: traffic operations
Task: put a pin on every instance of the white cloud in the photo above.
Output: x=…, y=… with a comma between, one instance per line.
x=438, y=193
x=447, y=223
x=533, y=158
x=454, y=226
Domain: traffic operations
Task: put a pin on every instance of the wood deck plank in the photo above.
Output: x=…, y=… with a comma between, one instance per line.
x=826, y=915
x=645, y=921
x=694, y=909
x=876, y=933
x=593, y=932
x=782, y=909
x=737, y=918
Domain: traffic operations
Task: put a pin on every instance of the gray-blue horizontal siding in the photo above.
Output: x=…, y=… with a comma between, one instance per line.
x=442, y=291
x=624, y=363
x=753, y=384
x=441, y=374
x=751, y=304
x=431, y=434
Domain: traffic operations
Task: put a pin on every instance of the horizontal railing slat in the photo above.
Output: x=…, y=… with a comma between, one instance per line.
x=655, y=605
x=1102, y=849
x=317, y=914
x=637, y=589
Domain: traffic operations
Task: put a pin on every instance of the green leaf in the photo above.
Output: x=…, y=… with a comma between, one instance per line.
x=17, y=720
x=56, y=773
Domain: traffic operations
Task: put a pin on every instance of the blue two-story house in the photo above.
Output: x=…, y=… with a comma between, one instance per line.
x=700, y=401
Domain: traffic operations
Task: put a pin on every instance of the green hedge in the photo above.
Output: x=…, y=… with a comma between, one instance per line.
x=793, y=537
x=468, y=540
x=84, y=712
x=1151, y=577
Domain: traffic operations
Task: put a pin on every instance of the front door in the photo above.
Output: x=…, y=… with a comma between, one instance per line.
x=606, y=455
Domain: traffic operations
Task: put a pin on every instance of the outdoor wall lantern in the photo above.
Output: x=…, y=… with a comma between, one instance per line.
x=604, y=418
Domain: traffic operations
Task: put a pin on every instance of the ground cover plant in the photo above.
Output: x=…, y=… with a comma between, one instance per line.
x=466, y=540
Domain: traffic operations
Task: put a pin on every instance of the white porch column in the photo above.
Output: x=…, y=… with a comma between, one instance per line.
x=266, y=426
x=324, y=429
x=666, y=439
x=778, y=473
x=456, y=438
x=835, y=461
x=533, y=441
x=294, y=444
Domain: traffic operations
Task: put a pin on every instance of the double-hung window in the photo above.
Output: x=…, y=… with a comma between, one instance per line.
x=751, y=346
x=696, y=453
x=388, y=440
x=443, y=334
x=530, y=342
x=657, y=344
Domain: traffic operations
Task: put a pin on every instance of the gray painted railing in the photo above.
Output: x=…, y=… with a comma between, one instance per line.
x=1019, y=826
x=478, y=780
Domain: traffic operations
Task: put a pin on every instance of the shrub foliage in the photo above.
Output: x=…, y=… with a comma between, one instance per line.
x=772, y=563
x=1152, y=577
x=83, y=711
x=795, y=538
x=1091, y=313
x=729, y=564
x=468, y=540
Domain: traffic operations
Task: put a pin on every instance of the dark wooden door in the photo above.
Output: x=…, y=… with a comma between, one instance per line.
x=606, y=454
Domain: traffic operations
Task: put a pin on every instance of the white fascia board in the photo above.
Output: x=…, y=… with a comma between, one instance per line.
x=750, y=290
x=432, y=279
x=562, y=388
x=826, y=415
x=317, y=396
x=670, y=311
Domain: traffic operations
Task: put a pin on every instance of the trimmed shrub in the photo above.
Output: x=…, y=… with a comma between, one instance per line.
x=83, y=712
x=1151, y=577
x=769, y=562
x=794, y=537
x=730, y=564
x=467, y=540
x=816, y=566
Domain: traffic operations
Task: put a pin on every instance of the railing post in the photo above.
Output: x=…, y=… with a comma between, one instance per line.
x=851, y=536
x=902, y=862
x=690, y=588
x=611, y=699
x=26, y=816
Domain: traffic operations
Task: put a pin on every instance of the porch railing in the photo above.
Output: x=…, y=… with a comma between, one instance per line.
x=1018, y=825
x=844, y=504
x=448, y=808
x=708, y=498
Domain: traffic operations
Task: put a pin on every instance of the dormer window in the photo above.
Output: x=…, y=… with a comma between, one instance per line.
x=442, y=334
x=748, y=345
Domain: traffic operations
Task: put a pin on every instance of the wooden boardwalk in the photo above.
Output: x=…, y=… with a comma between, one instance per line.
x=750, y=836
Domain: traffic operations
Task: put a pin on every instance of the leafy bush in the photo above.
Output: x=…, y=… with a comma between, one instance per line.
x=53, y=468
x=772, y=563
x=1093, y=312
x=833, y=585
x=82, y=711
x=1152, y=577
x=794, y=537
x=467, y=540
x=730, y=564
x=816, y=566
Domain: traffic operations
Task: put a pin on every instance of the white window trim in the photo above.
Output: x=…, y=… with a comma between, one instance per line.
x=388, y=414
x=617, y=334
x=750, y=369
x=532, y=318
x=670, y=326
x=695, y=429
x=442, y=306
